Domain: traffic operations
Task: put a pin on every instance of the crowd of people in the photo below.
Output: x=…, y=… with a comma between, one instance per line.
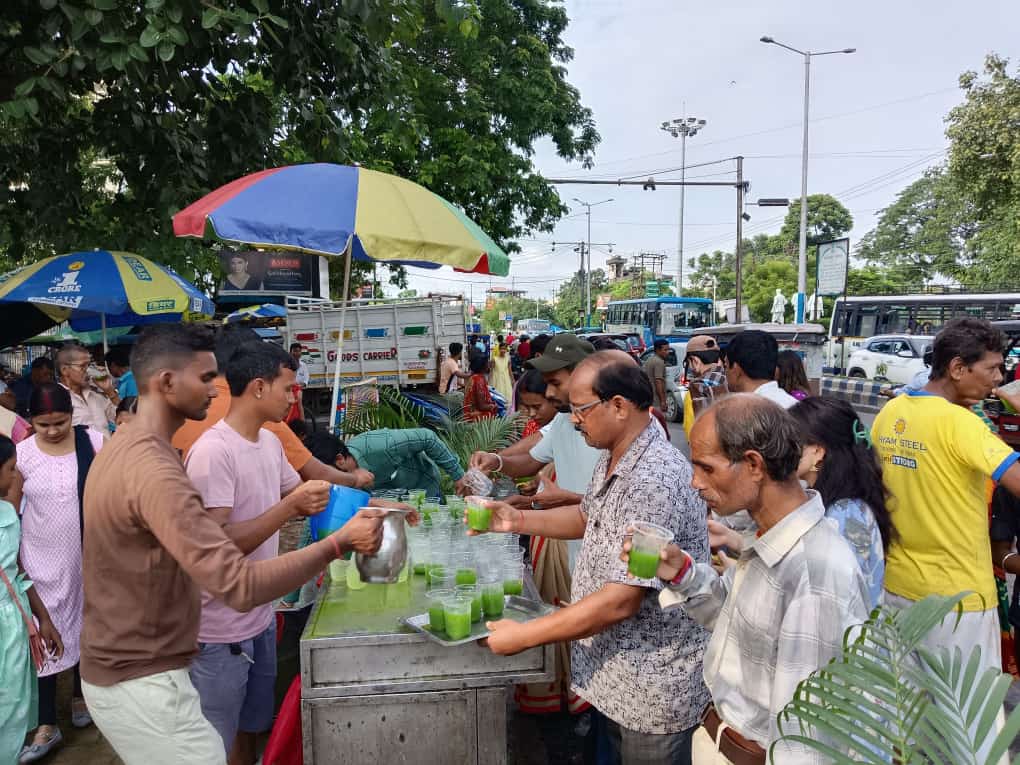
x=139, y=534
x=790, y=523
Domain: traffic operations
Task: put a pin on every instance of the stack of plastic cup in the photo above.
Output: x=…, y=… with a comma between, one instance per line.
x=437, y=622
x=418, y=549
x=438, y=563
x=512, y=554
x=512, y=541
x=474, y=592
x=440, y=579
x=457, y=616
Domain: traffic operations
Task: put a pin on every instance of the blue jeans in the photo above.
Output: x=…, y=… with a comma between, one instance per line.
x=235, y=683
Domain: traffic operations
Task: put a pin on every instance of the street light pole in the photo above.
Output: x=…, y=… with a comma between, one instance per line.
x=802, y=257
x=587, y=264
x=682, y=128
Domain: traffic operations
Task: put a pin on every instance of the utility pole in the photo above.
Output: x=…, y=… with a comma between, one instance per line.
x=737, y=254
x=682, y=128
x=587, y=269
x=802, y=256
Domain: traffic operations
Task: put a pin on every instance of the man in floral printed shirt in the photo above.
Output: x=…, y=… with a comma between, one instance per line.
x=640, y=669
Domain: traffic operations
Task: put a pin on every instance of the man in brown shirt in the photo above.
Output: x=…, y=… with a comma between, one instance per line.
x=150, y=547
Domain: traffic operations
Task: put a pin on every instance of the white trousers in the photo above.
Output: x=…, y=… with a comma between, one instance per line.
x=976, y=628
x=703, y=751
x=155, y=720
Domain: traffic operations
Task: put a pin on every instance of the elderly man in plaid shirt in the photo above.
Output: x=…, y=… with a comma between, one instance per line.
x=782, y=611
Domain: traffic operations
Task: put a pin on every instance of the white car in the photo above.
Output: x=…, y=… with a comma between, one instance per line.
x=891, y=358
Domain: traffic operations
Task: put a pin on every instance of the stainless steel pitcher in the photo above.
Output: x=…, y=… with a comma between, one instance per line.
x=385, y=566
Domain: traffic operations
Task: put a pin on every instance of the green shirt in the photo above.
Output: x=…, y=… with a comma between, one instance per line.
x=405, y=459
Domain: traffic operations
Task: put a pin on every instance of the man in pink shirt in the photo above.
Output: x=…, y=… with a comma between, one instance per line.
x=248, y=486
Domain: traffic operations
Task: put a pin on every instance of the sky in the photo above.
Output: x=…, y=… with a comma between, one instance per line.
x=876, y=117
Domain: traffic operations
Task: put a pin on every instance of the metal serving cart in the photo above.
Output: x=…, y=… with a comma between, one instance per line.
x=375, y=691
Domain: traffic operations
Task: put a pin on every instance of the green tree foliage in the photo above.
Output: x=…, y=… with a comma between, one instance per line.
x=114, y=114
x=570, y=299
x=635, y=287
x=827, y=219
x=519, y=308
x=761, y=284
x=770, y=261
x=962, y=220
x=916, y=237
x=466, y=111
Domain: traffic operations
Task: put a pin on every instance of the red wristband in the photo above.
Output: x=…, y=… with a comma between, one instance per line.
x=683, y=570
x=520, y=524
x=336, y=547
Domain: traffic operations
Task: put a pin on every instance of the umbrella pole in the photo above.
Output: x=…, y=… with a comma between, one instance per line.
x=340, y=344
x=102, y=323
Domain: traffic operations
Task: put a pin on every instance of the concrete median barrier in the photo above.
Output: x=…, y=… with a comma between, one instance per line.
x=862, y=394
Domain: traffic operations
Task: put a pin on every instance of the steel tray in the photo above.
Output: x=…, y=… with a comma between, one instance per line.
x=514, y=607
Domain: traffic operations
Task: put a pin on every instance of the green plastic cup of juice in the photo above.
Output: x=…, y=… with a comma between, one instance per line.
x=416, y=497
x=513, y=587
x=457, y=615
x=474, y=592
x=492, y=599
x=645, y=548
x=479, y=517
x=419, y=568
x=466, y=576
x=437, y=616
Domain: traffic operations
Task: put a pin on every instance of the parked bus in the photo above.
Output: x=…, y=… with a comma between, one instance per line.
x=533, y=327
x=855, y=319
x=672, y=318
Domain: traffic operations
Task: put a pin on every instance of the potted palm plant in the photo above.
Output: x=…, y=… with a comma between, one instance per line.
x=887, y=699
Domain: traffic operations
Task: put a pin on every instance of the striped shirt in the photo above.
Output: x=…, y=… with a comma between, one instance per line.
x=776, y=617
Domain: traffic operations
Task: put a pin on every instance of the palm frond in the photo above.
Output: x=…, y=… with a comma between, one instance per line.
x=889, y=699
x=393, y=410
x=465, y=437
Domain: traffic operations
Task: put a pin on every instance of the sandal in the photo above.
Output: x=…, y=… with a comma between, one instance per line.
x=80, y=717
x=39, y=749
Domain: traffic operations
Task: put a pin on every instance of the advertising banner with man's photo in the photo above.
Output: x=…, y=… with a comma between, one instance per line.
x=255, y=273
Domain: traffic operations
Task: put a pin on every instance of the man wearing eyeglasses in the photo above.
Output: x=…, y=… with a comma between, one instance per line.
x=641, y=671
x=95, y=408
x=559, y=442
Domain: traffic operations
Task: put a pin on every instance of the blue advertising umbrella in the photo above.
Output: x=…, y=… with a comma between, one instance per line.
x=95, y=290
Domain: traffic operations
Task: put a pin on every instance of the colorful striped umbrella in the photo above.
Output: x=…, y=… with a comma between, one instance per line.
x=329, y=209
x=94, y=290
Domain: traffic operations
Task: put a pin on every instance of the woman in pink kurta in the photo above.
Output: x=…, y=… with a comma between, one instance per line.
x=51, y=545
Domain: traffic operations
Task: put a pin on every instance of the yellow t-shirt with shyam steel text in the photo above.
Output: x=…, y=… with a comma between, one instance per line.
x=936, y=460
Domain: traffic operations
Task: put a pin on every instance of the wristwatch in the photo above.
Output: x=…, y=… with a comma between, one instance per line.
x=536, y=505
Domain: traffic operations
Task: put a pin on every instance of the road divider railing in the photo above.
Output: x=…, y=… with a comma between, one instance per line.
x=862, y=394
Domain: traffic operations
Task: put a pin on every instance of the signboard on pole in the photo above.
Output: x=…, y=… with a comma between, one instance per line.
x=833, y=266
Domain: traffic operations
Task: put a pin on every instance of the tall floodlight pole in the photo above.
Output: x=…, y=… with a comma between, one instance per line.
x=802, y=259
x=682, y=128
x=587, y=267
